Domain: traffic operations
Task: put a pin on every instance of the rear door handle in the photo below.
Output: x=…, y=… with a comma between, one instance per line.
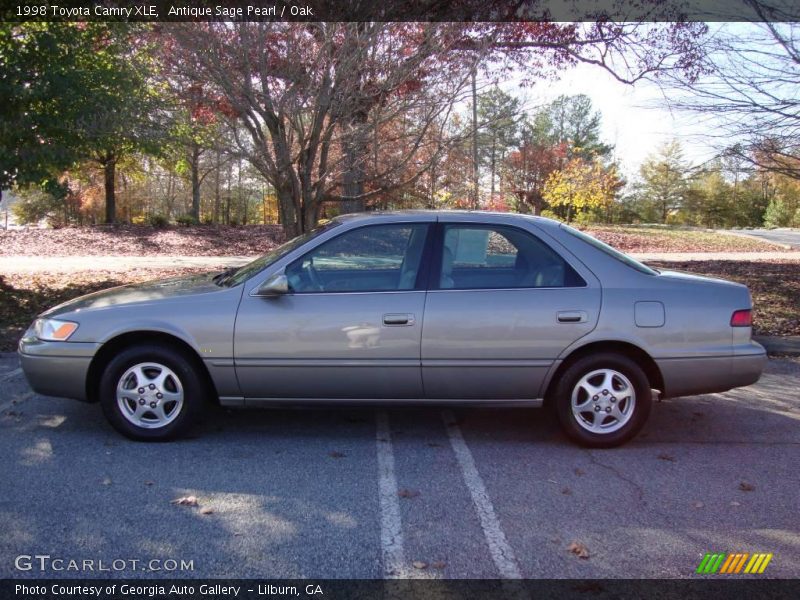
x=572, y=316
x=398, y=319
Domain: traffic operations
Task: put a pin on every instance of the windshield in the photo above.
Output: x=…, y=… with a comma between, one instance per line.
x=613, y=252
x=237, y=276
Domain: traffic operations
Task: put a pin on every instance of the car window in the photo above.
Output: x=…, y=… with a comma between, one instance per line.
x=377, y=258
x=612, y=252
x=499, y=257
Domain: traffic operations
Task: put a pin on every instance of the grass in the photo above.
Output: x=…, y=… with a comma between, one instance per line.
x=649, y=238
x=775, y=287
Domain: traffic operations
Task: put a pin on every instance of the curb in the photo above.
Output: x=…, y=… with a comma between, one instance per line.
x=786, y=345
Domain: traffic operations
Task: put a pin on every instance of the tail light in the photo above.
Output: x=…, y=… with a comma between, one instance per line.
x=742, y=318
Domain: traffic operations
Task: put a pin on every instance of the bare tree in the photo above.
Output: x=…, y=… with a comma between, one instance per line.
x=751, y=97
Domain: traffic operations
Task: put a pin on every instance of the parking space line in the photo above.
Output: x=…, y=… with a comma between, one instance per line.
x=499, y=548
x=391, y=524
x=10, y=375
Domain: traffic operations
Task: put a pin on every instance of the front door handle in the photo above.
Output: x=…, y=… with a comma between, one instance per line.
x=398, y=319
x=572, y=316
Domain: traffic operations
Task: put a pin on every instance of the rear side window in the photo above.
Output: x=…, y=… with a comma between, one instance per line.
x=612, y=252
x=499, y=257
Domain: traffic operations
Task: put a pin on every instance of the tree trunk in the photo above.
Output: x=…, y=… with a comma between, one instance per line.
x=353, y=177
x=110, y=174
x=195, y=212
x=475, y=177
x=215, y=218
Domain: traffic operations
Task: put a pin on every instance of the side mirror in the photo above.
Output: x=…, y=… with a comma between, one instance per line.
x=277, y=285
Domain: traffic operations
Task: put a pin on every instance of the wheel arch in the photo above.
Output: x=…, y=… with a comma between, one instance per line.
x=632, y=351
x=114, y=345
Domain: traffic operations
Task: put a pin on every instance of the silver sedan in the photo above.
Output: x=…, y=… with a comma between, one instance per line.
x=407, y=307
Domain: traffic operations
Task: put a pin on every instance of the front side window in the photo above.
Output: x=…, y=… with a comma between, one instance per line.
x=498, y=257
x=377, y=258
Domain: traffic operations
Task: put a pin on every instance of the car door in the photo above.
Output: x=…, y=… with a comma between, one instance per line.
x=349, y=326
x=501, y=307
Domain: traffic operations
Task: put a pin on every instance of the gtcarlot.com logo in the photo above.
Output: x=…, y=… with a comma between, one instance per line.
x=720, y=563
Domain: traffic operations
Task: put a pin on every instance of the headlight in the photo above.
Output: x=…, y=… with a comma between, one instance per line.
x=52, y=330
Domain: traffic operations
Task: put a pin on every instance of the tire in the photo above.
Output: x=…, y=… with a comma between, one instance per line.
x=615, y=393
x=152, y=393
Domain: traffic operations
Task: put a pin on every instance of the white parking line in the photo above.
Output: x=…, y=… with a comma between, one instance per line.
x=10, y=375
x=499, y=548
x=391, y=525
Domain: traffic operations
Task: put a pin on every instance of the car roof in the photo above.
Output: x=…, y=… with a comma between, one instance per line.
x=436, y=214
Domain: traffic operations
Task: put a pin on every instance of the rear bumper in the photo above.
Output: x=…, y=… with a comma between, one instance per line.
x=691, y=376
x=57, y=368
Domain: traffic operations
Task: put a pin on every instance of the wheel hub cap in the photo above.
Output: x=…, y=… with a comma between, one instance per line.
x=150, y=395
x=603, y=401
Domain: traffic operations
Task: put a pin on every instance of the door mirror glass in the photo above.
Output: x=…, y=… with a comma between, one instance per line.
x=277, y=285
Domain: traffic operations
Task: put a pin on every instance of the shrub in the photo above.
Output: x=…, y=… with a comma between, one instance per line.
x=186, y=220
x=158, y=221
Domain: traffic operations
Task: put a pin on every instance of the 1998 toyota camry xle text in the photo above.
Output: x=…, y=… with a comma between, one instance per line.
x=409, y=307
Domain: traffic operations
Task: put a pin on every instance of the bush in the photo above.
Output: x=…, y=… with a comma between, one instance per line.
x=207, y=220
x=158, y=221
x=35, y=205
x=186, y=220
x=778, y=214
x=550, y=215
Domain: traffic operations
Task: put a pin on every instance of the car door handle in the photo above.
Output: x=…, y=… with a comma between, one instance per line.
x=572, y=316
x=398, y=319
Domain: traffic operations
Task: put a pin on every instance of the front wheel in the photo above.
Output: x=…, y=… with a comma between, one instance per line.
x=603, y=400
x=151, y=393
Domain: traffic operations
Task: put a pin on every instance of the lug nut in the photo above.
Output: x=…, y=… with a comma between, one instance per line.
x=608, y=410
x=596, y=409
x=595, y=398
x=141, y=390
x=159, y=395
x=152, y=386
x=152, y=405
x=605, y=392
x=141, y=401
x=613, y=399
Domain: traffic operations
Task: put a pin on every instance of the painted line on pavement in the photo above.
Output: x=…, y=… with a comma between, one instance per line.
x=394, y=561
x=499, y=548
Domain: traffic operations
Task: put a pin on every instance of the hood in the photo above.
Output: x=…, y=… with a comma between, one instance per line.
x=149, y=291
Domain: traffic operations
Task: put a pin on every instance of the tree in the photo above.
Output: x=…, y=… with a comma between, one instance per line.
x=664, y=179
x=72, y=91
x=499, y=115
x=573, y=122
x=750, y=91
x=582, y=186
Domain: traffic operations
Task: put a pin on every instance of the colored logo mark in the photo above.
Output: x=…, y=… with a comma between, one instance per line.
x=726, y=564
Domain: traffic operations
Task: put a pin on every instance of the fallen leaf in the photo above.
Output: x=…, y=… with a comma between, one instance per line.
x=206, y=511
x=185, y=501
x=566, y=491
x=746, y=487
x=439, y=564
x=699, y=505
x=579, y=472
x=148, y=483
x=667, y=457
x=735, y=503
x=335, y=454
x=418, y=564
x=106, y=481
x=404, y=493
x=578, y=549
x=552, y=481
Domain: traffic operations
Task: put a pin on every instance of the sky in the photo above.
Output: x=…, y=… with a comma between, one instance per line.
x=635, y=118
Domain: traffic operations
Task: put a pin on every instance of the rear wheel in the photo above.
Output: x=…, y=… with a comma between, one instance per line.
x=603, y=400
x=151, y=393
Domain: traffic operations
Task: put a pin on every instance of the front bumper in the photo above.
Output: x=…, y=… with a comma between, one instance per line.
x=56, y=368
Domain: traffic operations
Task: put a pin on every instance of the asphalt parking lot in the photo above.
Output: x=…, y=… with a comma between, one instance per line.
x=467, y=493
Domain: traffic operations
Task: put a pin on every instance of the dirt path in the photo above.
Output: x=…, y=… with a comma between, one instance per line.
x=70, y=264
